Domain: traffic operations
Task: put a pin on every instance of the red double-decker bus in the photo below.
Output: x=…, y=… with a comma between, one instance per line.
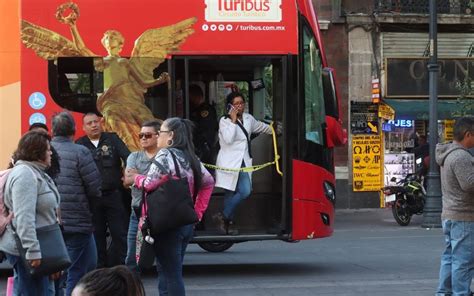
x=271, y=50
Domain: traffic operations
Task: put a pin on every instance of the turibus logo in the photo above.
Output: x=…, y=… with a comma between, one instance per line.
x=243, y=10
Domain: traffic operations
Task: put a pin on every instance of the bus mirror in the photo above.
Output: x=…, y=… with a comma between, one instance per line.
x=330, y=95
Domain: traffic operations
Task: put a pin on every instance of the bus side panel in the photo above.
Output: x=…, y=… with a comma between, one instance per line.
x=312, y=211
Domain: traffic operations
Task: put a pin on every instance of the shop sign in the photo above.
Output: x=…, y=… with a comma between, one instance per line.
x=386, y=112
x=364, y=118
x=408, y=77
x=448, y=130
x=366, y=162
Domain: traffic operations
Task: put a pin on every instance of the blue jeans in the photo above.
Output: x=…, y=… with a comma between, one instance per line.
x=457, y=260
x=170, y=247
x=83, y=253
x=24, y=284
x=233, y=198
x=131, y=259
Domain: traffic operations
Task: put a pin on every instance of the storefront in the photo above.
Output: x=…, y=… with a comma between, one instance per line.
x=406, y=91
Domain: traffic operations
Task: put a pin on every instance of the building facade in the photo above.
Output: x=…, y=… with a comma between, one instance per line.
x=380, y=49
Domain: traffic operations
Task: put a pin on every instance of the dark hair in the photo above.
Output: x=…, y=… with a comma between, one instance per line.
x=195, y=91
x=32, y=146
x=64, y=125
x=90, y=113
x=114, y=281
x=230, y=97
x=38, y=125
x=183, y=140
x=462, y=126
x=152, y=123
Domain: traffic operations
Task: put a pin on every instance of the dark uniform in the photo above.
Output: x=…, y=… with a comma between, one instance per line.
x=109, y=211
x=205, y=133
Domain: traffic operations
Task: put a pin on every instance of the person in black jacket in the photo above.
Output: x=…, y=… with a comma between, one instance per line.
x=204, y=117
x=78, y=184
x=110, y=154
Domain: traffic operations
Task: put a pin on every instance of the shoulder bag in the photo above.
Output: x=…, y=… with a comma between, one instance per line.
x=54, y=255
x=170, y=205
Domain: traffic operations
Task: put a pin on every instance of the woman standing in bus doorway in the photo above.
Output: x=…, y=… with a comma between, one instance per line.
x=234, y=139
x=175, y=140
x=34, y=199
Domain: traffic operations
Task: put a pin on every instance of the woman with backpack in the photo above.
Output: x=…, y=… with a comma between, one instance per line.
x=176, y=156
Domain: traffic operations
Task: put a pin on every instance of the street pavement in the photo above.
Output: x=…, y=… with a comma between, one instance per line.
x=369, y=254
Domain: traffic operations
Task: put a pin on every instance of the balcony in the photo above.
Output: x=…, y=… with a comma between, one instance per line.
x=454, y=7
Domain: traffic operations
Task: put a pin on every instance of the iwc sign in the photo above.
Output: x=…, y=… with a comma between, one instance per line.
x=243, y=11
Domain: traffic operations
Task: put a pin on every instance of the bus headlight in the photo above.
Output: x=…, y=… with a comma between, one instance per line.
x=329, y=192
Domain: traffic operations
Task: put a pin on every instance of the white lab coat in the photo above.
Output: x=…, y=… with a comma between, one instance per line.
x=234, y=148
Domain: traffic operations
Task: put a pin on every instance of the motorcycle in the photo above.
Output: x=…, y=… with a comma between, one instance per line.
x=407, y=197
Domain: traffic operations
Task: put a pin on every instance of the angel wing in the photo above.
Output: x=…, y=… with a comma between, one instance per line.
x=152, y=47
x=46, y=43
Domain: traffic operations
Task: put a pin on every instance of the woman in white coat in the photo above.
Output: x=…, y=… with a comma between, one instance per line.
x=235, y=152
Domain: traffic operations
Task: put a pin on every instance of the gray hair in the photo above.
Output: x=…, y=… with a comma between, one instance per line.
x=64, y=125
x=462, y=126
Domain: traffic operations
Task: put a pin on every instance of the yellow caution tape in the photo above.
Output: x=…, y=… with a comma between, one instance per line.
x=254, y=167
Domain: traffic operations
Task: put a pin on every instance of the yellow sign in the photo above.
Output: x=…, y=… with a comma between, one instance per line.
x=386, y=112
x=366, y=163
x=448, y=130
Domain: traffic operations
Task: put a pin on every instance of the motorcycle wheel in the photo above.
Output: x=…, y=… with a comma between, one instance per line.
x=400, y=212
x=215, y=247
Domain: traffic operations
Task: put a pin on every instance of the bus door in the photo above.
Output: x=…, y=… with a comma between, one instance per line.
x=262, y=81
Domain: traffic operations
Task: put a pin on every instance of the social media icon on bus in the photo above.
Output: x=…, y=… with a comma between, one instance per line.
x=37, y=117
x=221, y=27
x=213, y=27
x=37, y=100
x=205, y=27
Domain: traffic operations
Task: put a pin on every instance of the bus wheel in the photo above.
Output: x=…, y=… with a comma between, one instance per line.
x=215, y=247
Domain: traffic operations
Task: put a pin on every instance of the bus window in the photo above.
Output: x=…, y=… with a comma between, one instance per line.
x=76, y=83
x=313, y=90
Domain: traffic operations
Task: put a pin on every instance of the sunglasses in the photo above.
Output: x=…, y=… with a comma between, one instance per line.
x=146, y=135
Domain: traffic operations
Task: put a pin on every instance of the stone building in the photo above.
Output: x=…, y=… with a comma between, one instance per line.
x=362, y=38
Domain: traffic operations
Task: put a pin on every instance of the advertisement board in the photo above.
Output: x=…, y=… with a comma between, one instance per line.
x=366, y=163
x=58, y=28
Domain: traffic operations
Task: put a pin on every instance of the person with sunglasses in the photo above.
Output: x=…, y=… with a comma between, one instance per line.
x=235, y=130
x=139, y=162
x=175, y=142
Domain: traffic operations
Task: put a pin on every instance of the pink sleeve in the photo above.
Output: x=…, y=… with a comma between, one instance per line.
x=204, y=194
x=150, y=183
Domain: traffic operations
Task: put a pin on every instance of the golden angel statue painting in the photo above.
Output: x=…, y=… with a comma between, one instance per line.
x=126, y=80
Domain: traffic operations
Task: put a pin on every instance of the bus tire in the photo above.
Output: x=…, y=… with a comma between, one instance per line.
x=215, y=247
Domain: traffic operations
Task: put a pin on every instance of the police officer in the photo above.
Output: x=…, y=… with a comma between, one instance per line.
x=205, y=118
x=109, y=154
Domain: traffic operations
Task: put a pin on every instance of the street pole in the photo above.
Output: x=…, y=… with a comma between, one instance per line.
x=432, y=210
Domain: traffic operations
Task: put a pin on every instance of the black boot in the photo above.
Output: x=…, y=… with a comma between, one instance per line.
x=230, y=228
x=221, y=224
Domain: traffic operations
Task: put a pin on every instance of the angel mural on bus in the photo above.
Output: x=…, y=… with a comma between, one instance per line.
x=126, y=81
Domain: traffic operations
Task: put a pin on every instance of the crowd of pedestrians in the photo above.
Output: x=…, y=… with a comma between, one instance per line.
x=80, y=186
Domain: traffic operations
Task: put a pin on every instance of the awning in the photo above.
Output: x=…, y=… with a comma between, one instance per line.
x=419, y=109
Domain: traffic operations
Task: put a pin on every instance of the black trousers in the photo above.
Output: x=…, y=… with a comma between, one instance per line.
x=109, y=212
